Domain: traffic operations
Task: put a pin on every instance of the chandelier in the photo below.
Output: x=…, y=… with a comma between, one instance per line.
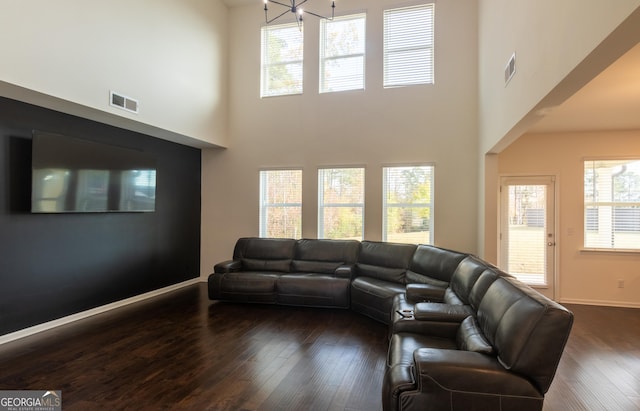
x=294, y=7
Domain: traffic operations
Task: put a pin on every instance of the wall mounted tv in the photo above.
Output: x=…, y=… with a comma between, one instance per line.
x=73, y=175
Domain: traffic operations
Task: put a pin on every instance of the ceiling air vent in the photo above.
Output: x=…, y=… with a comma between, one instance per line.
x=124, y=102
x=510, y=69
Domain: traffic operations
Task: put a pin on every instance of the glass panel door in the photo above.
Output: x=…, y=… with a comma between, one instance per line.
x=527, y=231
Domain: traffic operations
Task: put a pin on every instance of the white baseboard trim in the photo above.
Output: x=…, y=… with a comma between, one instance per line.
x=16, y=335
x=604, y=303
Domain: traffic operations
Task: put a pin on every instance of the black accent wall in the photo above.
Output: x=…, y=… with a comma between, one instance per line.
x=55, y=265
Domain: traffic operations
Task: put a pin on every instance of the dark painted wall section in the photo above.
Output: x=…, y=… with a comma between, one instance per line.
x=54, y=265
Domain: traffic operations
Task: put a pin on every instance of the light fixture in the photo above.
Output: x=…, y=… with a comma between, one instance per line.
x=294, y=7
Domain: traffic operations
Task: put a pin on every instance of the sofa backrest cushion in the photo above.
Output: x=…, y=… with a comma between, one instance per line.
x=527, y=330
x=466, y=275
x=433, y=265
x=323, y=256
x=482, y=284
x=265, y=254
x=385, y=261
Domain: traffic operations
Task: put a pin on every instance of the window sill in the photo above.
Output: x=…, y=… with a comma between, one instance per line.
x=610, y=250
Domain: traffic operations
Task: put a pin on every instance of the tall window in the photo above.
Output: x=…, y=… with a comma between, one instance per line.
x=342, y=50
x=408, y=45
x=612, y=204
x=341, y=203
x=281, y=65
x=408, y=204
x=281, y=203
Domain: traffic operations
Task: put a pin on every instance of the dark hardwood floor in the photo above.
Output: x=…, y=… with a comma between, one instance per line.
x=183, y=352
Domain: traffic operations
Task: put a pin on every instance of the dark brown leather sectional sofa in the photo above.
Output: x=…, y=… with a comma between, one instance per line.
x=463, y=334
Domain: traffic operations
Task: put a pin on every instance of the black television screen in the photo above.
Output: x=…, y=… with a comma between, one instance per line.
x=72, y=175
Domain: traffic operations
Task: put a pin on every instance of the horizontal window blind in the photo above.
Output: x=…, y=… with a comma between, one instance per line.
x=342, y=53
x=612, y=204
x=281, y=203
x=408, y=46
x=341, y=203
x=282, y=60
x=408, y=204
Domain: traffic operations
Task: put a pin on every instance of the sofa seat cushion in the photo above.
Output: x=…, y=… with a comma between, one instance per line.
x=248, y=286
x=313, y=290
x=402, y=346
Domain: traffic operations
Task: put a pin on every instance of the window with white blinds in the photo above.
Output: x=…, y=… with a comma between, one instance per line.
x=408, y=45
x=612, y=204
x=281, y=203
x=342, y=53
x=341, y=203
x=408, y=204
x=281, y=62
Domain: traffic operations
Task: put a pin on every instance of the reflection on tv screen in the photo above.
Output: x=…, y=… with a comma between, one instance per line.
x=60, y=190
x=74, y=175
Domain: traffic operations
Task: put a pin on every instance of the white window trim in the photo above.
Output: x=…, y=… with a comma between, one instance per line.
x=322, y=206
x=265, y=66
x=322, y=59
x=587, y=204
x=387, y=83
x=430, y=205
x=264, y=206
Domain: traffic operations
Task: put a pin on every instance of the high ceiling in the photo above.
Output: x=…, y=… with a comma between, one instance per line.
x=611, y=101
x=237, y=3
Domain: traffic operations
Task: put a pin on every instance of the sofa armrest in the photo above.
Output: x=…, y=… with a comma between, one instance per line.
x=469, y=372
x=344, y=271
x=437, y=312
x=417, y=292
x=228, y=266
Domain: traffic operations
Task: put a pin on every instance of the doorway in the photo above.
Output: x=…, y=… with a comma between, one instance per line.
x=527, y=230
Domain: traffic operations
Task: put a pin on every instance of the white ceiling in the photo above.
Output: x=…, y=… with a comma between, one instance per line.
x=237, y=3
x=611, y=101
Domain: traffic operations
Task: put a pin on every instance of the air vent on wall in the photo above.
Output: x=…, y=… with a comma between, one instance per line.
x=124, y=102
x=510, y=69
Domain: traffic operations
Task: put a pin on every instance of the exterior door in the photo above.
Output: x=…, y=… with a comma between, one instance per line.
x=527, y=231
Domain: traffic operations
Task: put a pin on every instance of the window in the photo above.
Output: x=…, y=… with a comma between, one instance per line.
x=612, y=204
x=408, y=204
x=281, y=65
x=342, y=53
x=281, y=203
x=408, y=45
x=341, y=203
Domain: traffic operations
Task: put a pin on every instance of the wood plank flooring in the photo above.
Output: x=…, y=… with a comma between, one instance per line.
x=183, y=352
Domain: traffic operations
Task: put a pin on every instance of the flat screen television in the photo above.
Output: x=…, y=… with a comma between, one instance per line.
x=73, y=175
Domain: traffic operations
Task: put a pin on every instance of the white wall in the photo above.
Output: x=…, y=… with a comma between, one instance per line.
x=584, y=277
x=168, y=54
x=551, y=39
x=371, y=128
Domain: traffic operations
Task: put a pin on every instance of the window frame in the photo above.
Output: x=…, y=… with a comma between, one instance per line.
x=322, y=205
x=265, y=205
x=592, y=221
x=266, y=65
x=388, y=51
x=403, y=205
x=322, y=86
